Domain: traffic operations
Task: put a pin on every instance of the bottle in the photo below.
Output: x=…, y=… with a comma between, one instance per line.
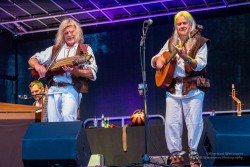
x=102, y=122
x=95, y=122
x=213, y=113
x=107, y=122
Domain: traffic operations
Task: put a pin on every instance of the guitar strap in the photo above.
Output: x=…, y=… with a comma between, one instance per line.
x=55, y=51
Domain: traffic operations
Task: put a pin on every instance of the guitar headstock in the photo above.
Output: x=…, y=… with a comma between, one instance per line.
x=196, y=31
x=199, y=27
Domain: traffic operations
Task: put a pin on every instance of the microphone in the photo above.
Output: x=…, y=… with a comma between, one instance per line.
x=29, y=96
x=24, y=97
x=149, y=22
x=145, y=30
x=39, y=94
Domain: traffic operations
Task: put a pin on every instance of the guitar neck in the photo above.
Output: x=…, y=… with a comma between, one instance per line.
x=193, y=33
x=175, y=52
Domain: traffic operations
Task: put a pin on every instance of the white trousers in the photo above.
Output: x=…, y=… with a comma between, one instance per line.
x=63, y=103
x=179, y=110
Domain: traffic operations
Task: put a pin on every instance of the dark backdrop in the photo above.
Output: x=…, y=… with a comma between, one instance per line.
x=117, y=51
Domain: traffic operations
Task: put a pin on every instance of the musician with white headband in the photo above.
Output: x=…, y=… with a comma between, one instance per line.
x=67, y=76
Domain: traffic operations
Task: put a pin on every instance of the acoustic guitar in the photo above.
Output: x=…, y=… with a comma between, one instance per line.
x=164, y=76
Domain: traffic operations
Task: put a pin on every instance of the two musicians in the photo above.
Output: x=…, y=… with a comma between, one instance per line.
x=183, y=97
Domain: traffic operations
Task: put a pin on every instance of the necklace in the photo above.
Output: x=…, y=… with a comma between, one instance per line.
x=67, y=50
x=67, y=54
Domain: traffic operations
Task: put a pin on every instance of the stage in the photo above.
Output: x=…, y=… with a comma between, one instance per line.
x=225, y=141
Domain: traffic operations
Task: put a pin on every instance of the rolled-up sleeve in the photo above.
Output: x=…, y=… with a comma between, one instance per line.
x=201, y=58
x=92, y=66
x=43, y=56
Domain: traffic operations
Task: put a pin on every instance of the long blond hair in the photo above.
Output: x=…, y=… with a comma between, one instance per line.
x=190, y=19
x=59, y=41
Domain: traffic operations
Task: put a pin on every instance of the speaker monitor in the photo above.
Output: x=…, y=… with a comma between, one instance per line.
x=55, y=144
x=226, y=140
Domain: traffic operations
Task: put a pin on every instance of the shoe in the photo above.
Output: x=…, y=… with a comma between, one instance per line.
x=176, y=159
x=194, y=158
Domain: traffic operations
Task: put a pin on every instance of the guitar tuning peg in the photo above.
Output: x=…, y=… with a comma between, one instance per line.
x=199, y=27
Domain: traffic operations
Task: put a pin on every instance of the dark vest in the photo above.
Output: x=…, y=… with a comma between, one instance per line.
x=80, y=83
x=187, y=86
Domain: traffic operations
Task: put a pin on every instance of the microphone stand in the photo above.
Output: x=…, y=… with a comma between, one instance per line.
x=145, y=156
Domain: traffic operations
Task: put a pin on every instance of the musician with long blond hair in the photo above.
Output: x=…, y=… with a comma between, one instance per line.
x=184, y=92
x=63, y=97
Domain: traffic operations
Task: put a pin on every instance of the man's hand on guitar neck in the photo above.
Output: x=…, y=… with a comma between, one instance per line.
x=182, y=52
x=159, y=61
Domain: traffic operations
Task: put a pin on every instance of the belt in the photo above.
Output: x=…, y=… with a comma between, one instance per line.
x=186, y=79
x=60, y=84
